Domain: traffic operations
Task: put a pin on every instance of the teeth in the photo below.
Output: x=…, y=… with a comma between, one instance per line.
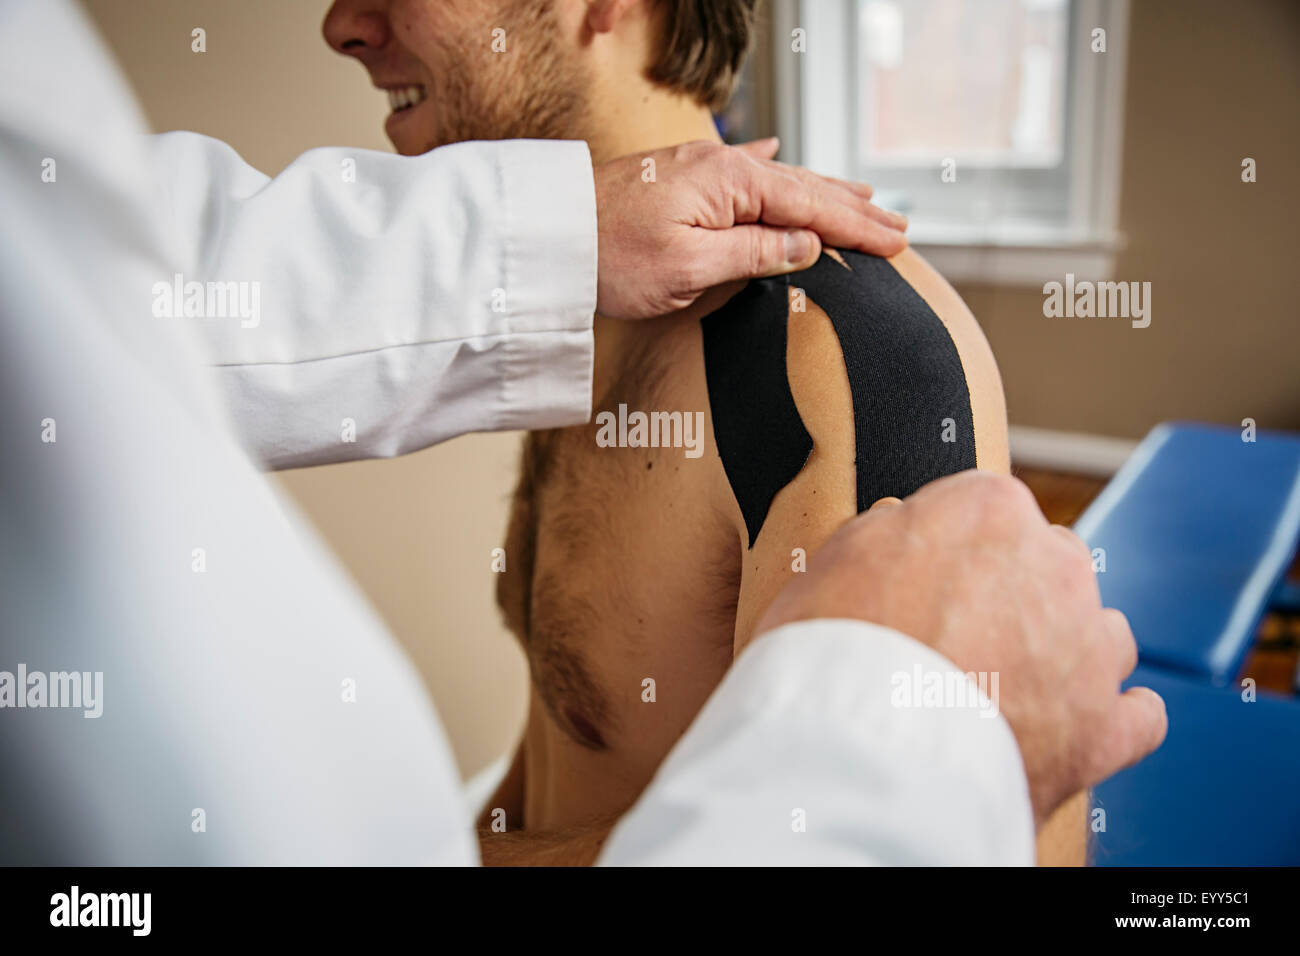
x=404, y=97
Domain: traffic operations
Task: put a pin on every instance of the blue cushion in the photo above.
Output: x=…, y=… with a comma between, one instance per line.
x=1220, y=792
x=1198, y=528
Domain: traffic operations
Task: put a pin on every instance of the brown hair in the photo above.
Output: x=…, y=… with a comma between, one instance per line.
x=705, y=43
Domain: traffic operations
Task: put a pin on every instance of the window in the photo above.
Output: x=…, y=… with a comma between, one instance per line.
x=993, y=124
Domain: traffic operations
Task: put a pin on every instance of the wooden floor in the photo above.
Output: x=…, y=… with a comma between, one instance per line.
x=1273, y=660
x=1062, y=497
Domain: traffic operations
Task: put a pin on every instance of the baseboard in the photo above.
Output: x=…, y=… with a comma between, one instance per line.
x=1073, y=452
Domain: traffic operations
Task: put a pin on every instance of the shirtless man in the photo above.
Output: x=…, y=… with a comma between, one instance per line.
x=636, y=573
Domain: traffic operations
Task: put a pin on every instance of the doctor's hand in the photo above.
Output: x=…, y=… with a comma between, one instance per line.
x=969, y=566
x=677, y=221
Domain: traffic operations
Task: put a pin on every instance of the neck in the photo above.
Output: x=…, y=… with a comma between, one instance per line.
x=627, y=117
x=638, y=117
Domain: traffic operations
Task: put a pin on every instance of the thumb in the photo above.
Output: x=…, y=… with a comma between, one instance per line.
x=753, y=252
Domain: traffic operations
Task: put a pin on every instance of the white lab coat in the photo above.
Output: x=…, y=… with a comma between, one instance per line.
x=417, y=301
x=254, y=710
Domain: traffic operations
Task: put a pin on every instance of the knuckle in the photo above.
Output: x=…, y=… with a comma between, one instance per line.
x=1002, y=499
x=1070, y=539
x=690, y=270
x=1124, y=642
x=746, y=189
x=814, y=196
x=856, y=535
x=686, y=276
x=1117, y=620
x=1078, y=587
x=1016, y=495
x=687, y=153
x=1075, y=552
x=988, y=482
x=757, y=250
x=806, y=201
x=724, y=156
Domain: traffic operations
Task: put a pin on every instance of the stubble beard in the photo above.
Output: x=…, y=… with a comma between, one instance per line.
x=532, y=91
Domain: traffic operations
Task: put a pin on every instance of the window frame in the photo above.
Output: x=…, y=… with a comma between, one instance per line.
x=822, y=83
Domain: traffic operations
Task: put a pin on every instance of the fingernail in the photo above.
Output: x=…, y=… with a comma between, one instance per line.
x=798, y=247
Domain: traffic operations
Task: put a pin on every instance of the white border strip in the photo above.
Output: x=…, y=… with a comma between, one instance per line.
x=1073, y=452
x=1022, y=267
x=1119, y=486
x=1256, y=592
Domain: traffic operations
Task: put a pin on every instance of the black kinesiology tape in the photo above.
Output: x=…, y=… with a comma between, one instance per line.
x=904, y=372
x=756, y=425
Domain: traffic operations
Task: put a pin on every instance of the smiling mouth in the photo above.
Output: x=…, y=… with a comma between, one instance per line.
x=404, y=97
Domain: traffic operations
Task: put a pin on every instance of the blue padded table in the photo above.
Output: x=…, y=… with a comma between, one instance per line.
x=1220, y=792
x=1198, y=529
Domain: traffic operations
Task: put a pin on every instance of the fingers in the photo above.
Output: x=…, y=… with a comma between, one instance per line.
x=884, y=504
x=753, y=252
x=855, y=195
x=760, y=148
x=766, y=149
x=1120, y=645
x=778, y=197
x=799, y=250
x=1073, y=542
x=988, y=496
x=1139, y=726
x=860, y=189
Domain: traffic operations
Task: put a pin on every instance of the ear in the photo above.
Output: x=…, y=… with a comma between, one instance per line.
x=604, y=15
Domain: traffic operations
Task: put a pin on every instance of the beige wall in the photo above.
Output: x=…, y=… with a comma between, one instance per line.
x=416, y=532
x=1208, y=84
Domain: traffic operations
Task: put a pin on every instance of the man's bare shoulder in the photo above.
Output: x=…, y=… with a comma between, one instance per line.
x=984, y=383
x=876, y=364
x=883, y=382
x=916, y=358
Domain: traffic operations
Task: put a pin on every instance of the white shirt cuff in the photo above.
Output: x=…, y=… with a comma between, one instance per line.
x=808, y=754
x=959, y=782
x=550, y=273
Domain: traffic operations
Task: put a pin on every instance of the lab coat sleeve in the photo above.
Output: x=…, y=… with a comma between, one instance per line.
x=362, y=304
x=810, y=753
x=233, y=675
